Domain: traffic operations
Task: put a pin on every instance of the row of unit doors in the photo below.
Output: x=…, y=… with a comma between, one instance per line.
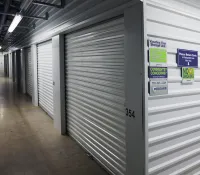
x=95, y=95
x=45, y=75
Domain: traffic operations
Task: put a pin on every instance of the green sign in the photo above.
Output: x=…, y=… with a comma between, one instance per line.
x=187, y=75
x=158, y=56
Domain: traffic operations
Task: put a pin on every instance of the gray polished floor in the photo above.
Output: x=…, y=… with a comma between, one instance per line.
x=29, y=144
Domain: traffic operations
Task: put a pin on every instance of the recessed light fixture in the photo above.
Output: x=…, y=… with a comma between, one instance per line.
x=18, y=17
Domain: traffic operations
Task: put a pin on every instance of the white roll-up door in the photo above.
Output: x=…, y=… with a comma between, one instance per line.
x=45, y=77
x=28, y=69
x=95, y=94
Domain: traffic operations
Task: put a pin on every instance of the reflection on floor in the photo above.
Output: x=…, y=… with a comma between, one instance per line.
x=29, y=144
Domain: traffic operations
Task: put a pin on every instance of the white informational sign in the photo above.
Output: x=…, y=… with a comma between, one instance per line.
x=157, y=53
x=158, y=87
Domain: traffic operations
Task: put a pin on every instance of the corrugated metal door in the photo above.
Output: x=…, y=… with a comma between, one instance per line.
x=95, y=92
x=45, y=77
x=28, y=69
x=174, y=119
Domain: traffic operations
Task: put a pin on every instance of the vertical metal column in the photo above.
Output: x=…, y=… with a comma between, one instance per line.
x=23, y=71
x=13, y=66
x=7, y=60
x=5, y=70
x=35, y=79
x=135, y=92
x=59, y=83
x=18, y=70
x=10, y=64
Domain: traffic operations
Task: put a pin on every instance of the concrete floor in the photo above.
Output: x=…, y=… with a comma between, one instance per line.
x=29, y=144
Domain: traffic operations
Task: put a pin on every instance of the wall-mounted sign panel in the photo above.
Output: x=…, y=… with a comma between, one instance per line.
x=187, y=75
x=158, y=72
x=187, y=58
x=157, y=53
x=158, y=87
x=157, y=44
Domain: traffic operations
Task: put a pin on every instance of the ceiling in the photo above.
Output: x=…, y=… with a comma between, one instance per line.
x=27, y=24
x=7, y=6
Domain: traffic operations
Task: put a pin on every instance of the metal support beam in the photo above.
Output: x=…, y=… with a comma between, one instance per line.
x=27, y=16
x=38, y=17
x=49, y=4
x=8, y=14
x=6, y=8
x=23, y=27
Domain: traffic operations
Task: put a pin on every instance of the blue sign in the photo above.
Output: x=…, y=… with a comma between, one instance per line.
x=158, y=72
x=187, y=58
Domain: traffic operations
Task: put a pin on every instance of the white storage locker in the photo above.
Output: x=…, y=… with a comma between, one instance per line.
x=95, y=92
x=28, y=68
x=174, y=119
x=45, y=77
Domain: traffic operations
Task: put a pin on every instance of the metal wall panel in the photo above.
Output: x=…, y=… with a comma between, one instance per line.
x=174, y=119
x=45, y=77
x=28, y=68
x=95, y=92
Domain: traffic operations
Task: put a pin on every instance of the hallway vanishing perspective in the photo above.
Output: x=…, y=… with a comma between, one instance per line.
x=29, y=144
x=103, y=87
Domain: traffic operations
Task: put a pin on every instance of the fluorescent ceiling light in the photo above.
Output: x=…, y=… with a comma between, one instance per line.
x=18, y=17
x=0, y=47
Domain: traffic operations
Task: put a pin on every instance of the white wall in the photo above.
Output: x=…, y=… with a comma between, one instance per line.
x=174, y=119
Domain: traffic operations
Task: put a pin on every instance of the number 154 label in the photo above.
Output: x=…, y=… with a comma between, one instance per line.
x=130, y=113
